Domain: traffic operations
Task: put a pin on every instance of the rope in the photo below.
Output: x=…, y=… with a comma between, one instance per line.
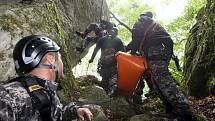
x=87, y=68
x=101, y=10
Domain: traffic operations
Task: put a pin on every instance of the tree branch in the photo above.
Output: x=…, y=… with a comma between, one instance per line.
x=120, y=22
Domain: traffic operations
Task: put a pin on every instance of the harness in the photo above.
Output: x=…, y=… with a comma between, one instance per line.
x=141, y=47
x=41, y=98
x=151, y=25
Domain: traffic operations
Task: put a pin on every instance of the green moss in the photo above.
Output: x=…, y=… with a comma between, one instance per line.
x=199, y=54
x=9, y=23
x=68, y=82
x=52, y=9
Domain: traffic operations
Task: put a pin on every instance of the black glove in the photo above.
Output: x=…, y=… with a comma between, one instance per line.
x=79, y=61
x=136, y=53
x=91, y=60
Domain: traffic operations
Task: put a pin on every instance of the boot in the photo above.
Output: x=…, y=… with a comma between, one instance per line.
x=112, y=91
x=137, y=99
x=104, y=85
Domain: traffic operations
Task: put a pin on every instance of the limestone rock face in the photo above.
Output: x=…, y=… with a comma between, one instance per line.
x=199, y=66
x=58, y=19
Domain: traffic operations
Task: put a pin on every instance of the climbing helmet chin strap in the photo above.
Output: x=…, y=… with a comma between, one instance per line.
x=54, y=66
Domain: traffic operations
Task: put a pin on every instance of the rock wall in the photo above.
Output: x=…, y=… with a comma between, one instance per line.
x=199, y=66
x=58, y=19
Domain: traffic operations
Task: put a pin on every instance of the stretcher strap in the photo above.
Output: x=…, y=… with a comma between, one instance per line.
x=146, y=33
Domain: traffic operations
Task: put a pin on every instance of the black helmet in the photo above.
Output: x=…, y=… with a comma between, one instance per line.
x=30, y=50
x=147, y=13
x=106, y=25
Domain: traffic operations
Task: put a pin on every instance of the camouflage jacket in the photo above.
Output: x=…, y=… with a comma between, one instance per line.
x=156, y=35
x=109, y=46
x=16, y=104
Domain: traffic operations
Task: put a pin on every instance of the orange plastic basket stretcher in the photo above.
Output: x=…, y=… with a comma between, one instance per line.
x=130, y=69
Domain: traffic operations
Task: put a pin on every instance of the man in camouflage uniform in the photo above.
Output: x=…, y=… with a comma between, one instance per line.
x=107, y=66
x=100, y=29
x=32, y=95
x=155, y=44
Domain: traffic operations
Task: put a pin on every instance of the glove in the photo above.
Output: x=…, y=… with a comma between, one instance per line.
x=137, y=54
x=79, y=61
x=90, y=61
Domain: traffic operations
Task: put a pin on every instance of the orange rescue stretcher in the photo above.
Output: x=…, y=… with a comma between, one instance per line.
x=130, y=69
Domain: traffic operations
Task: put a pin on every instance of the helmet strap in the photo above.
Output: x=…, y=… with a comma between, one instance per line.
x=45, y=66
x=54, y=67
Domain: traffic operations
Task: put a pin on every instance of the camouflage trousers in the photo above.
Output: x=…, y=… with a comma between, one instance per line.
x=137, y=97
x=109, y=77
x=107, y=68
x=174, y=100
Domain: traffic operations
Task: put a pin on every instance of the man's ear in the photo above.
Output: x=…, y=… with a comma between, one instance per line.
x=49, y=58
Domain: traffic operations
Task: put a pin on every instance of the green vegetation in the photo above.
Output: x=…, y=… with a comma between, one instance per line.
x=128, y=12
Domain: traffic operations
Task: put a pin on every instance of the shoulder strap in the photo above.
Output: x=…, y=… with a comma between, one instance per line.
x=146, y=33
x=41, y=99
x=13, y=80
